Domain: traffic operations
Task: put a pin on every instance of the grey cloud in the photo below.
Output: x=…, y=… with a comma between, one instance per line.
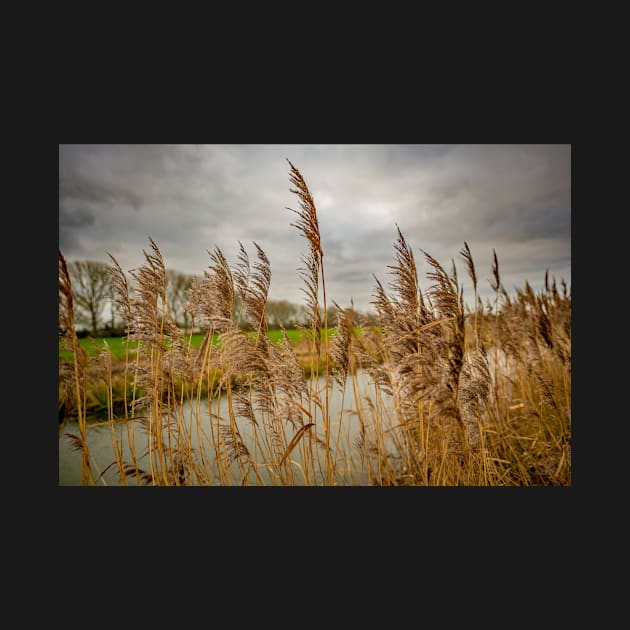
x=191, y=198
x=68, y=241
x=71, y=224
x=75, y=219
x=124, y=174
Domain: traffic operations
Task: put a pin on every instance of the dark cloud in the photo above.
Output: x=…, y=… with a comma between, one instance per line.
x=192, y=198
x=71, y=222
x=74, y=219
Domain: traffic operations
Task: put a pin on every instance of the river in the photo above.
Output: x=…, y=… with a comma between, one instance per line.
x=345, y=427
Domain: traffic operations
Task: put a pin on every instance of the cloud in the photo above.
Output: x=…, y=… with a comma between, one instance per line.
x=191, y=198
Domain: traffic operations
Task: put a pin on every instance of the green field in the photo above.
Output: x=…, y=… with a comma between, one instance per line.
x=118, y=345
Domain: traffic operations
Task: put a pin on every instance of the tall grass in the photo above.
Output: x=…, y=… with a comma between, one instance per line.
x=455, y=395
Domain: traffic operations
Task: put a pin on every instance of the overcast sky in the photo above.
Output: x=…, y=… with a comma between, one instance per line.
x=191, y=198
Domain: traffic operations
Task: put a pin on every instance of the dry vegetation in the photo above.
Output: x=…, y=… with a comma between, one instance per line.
x=454, y=396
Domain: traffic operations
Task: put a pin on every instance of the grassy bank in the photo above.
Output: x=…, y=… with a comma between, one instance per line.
x=116, y=352
x=120, y=347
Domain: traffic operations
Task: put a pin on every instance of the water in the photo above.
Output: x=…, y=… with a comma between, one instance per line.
x=345, y=427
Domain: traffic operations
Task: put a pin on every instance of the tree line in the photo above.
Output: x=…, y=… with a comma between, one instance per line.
x=96, y=313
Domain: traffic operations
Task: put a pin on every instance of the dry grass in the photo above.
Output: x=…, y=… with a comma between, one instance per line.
x=438, y=394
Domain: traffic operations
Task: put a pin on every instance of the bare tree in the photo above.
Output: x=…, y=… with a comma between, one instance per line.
x=282, y=312
x=177, y=285
x=91, y=290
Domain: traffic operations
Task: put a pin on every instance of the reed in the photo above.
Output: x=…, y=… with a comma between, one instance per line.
x=436, y=394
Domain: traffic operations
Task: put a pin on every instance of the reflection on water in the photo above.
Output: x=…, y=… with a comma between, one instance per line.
x=345, y=426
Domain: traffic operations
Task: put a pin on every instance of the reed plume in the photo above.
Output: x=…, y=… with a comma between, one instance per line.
x=255, y=296
x=79, y=358
x=308, y=224
x=120, y=291
x=340, y=347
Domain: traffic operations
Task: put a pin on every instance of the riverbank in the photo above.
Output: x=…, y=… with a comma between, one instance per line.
x=111, y=364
